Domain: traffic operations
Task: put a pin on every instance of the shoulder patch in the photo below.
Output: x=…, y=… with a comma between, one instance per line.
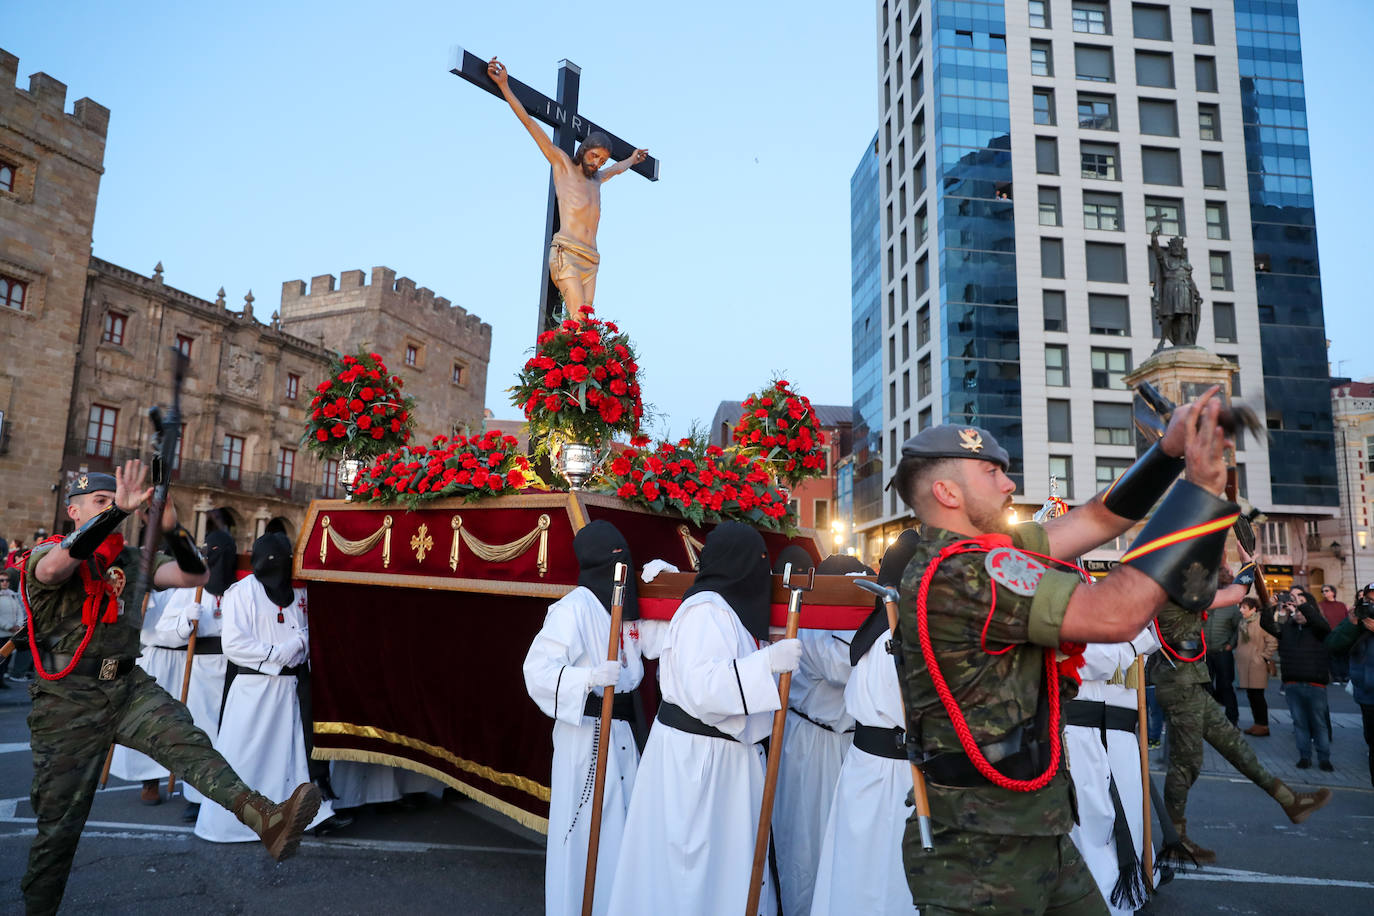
x=1014, y=570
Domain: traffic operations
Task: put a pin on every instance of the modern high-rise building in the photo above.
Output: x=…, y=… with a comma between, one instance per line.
x=1026, y=151
x=864, y=472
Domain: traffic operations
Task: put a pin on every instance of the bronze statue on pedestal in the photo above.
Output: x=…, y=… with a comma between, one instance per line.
x=1176, y=301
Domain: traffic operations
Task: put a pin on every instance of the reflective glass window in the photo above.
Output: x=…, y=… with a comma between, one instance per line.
x=1205, y=72
x=1151, y=22
x=1060, y=421
x=1092, y=17
x=1052, y=258
x=1049, y=207
x=1061, y=469
x=1096, y=111
x=1213, y=171
x=1057, y=365
x=1202, y=27
x=1109, y=366
x=1092, y=62
x=1055, y=319
x=1100, y=160
x=1042, y=104
x=1112, y=424
x=1042, y=58
x=1209, y=121
x=1046, y=156
x=1164, y=214
x=1106, y=262
x=1109, y=315
x=1224, y=328
x=1101, y=210
x=1161, y=166
x=1217, y=226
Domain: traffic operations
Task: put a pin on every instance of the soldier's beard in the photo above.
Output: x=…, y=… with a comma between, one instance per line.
x=989, y=519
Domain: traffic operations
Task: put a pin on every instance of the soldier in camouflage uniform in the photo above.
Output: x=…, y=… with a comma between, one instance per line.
x=988, y=628
x=89, y=693
x=1179, y=673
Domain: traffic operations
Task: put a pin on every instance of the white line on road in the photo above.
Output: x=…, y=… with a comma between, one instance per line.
x=1240, y=876
x=14, y=747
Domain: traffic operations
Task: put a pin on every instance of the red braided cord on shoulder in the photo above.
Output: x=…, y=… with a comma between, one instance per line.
x=956, y=715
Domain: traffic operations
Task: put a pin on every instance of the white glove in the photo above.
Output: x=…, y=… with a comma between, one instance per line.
x=784, y=655
x=654, y=567
x=603, y=674
x=192, y=612
x=303, y=653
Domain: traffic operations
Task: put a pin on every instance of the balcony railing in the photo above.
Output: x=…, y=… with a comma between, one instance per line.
x=198, y=474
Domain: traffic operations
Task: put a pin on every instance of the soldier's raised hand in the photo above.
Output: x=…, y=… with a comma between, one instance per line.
x=1204, y=452
x=129, y=491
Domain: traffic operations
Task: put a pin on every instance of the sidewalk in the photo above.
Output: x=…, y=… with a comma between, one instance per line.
x=1278, y=753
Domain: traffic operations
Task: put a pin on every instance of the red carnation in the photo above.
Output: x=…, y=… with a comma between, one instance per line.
x=578, y=374
x=339, y=431
x=514, y=477
x=356, y=405
x=395, y=426
x=378, y=432
x=577, y=354
x=625, y=490
x=366, y=394
x=322, y=435
x=364, y=421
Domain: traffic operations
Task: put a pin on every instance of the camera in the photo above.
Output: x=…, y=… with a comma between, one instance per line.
x=1363, y=609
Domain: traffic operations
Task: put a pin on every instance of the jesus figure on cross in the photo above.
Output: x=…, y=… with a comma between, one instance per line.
x=573, y=258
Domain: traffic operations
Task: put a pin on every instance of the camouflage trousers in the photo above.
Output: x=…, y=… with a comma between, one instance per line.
x=998, y=875
x=72, y=725
x=1193, y=717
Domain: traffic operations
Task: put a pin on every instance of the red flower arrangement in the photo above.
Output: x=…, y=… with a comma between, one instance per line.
x=477, y=466
x=701, y=482
x=359, y=411
x=779, y=426
x=582, y=384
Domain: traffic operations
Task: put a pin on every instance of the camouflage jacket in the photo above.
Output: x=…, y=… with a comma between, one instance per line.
x=996, y=693
x=57, y=611
x=1182, y=632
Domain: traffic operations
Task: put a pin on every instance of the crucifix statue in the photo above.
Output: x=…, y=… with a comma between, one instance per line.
x=575, y=184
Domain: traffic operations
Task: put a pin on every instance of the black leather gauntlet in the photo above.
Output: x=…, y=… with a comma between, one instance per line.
x=86, y=540
x=183, y=550
x=1137, y=490
x=1181, y=546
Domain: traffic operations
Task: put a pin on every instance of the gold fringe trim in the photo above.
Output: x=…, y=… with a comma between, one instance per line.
x=501, y=553
x=519, y=815
x=510, y=780
x=359, y=547
x=691, y=545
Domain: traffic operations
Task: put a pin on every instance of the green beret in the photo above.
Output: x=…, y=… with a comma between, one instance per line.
x=87, y=482
x=951, y=441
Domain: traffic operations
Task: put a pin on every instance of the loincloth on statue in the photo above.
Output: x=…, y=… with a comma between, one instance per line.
x=570, y=259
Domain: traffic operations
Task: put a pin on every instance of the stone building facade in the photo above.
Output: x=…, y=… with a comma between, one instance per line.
x=50, y=167
x=85, y=348
x=437, y=348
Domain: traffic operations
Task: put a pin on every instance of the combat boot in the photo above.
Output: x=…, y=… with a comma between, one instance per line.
x=1298, y=805
x=279, y=826
x=1199, y=854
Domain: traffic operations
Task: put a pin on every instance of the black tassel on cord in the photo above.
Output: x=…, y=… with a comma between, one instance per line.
x=1130, y=891
x=1172, y=853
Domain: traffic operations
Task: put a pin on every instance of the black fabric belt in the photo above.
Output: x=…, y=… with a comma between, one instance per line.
x=102, y=669
x=956, y=770
x=796, y=711
x=676, y=717
x=235, y=669
x=1097, y=714
x=881, y=742
x=622, y=707
x=209, y=645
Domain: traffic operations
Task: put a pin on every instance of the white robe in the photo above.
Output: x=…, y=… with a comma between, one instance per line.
x=810, y=765
x=688, y=847
x=1091, y=765
x=356, y=783
x=573, y=640
x=260, y=735
x=163, y=658
x=861, y=867
x=207, y=671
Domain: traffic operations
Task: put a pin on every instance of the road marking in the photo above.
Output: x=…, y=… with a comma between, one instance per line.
x=14, y=747
x=1240, y=876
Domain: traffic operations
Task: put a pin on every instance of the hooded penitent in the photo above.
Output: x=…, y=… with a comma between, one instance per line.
x=801, y=560
x=890, y=574
x=598, y=547
x=734, y=565
x=272, y=566
x=222, y=559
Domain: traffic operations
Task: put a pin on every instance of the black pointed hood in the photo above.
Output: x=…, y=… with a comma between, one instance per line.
x=734, y=565
x=796, y=555
x=221, y=556
x=842, y=564
x=889, y=573
x=598, y=547
x=272, y=566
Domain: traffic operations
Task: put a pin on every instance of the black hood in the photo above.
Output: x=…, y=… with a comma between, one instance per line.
x=801, y=560
x=889, y=573
x=221, y=556
x=598, y=547
x=272, y=566
x=734, y=565
x=842, y=564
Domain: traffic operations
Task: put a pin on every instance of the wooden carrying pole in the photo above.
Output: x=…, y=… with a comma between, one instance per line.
x=770, y=782
x=186, y=677
x=918, y=779
x=603, y=745
x=1142, y=733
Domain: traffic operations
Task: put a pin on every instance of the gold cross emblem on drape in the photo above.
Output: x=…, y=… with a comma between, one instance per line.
x=421, y=543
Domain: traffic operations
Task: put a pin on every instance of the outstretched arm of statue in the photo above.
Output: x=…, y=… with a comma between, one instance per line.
x=500, y=75
x=628, y=162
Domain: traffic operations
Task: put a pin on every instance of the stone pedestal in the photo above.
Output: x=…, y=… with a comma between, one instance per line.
x=1183, y=373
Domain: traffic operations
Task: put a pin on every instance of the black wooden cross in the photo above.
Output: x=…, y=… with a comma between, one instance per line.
x=569, y=128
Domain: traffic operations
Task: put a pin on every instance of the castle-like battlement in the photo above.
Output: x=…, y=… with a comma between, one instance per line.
x=47, y=93
x=352, y=290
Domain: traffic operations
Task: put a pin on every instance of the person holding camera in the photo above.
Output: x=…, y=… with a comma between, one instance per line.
x=1301, y=630
x=1353, y=639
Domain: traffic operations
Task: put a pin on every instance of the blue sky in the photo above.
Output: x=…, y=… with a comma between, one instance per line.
x=251, y=144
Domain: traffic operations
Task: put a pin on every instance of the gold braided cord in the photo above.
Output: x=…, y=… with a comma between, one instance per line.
x=359, y=547
x=690, y=544
x=502, y=553
x=509, y=780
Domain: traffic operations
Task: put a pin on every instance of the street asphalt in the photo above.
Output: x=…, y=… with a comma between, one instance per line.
x=454, y=856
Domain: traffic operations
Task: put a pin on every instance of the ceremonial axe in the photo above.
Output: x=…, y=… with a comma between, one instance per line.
x=890, y=597
x=603, y=743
